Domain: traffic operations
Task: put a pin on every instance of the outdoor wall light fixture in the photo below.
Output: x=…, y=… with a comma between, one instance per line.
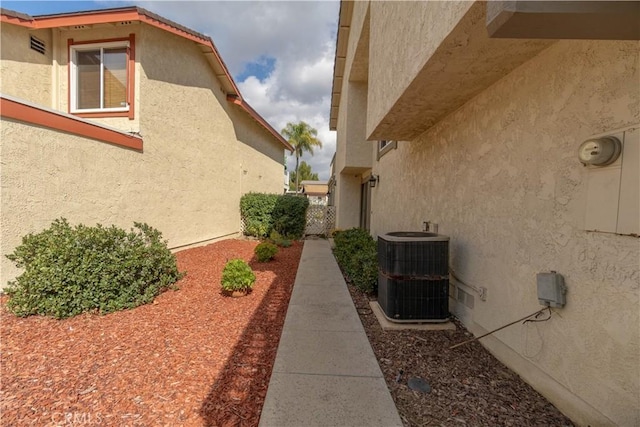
x=373, y=180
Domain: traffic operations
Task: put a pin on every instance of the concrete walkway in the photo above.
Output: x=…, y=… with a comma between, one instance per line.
x=325, y=373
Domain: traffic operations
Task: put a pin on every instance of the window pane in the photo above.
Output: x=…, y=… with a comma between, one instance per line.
x=88, y=90
x=115, y=78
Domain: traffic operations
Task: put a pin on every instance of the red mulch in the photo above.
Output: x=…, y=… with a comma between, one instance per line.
x=192, y=358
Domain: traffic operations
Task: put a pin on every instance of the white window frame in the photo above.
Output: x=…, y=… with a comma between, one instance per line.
x=73, y=80
x=384, y=146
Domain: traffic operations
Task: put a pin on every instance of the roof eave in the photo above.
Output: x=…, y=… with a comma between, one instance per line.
x=135, y=13
x=104, y=16
x=342, y=38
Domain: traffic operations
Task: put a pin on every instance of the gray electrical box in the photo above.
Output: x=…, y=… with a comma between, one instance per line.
x=551, y=289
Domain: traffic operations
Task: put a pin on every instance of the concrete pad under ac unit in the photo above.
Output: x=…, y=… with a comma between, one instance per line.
x=387, y=325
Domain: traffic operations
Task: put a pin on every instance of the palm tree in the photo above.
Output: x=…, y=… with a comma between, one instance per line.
x=303, y=138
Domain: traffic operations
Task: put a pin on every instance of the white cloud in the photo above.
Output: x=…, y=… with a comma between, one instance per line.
x=279, y=99
x=245, y=30
x=307, y=81
x=301, y=38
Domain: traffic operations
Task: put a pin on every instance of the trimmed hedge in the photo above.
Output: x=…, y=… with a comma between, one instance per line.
x=71, y=270
x=290, y=216
x=356, y=252
x=264, y=213
x=257, y=211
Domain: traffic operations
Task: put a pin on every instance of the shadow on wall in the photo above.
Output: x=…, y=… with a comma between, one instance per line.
x=158, y=55
x=252, y=134
x=161, y=51
x=458, y=254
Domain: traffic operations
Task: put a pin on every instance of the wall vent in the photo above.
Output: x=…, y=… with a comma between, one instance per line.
x=38, y=45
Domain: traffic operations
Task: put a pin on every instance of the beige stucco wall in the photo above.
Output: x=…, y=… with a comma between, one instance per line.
x=347, y=200
x=341, y=137
x=353, y=153
x=358, y=36
x=418, y=29
x=353, y=104
x=188, y=180
x=259, y=172
x=190, y=136
x=18, y=60
x=261, y=156
x=46, y=174
x=501, y=177
x=358, y=149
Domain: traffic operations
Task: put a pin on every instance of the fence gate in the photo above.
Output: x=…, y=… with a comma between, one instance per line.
x=320, y=219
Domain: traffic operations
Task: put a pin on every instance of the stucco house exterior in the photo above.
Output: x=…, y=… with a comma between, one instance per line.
x=119, y=115
x=315, y=191
x=475, y=116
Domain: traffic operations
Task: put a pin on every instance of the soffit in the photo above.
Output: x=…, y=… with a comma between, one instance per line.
x=454, y=74
x=342, y=41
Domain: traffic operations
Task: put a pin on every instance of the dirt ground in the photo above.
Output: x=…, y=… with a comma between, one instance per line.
x=197, y=358
x=192, y=358
x=469, y=387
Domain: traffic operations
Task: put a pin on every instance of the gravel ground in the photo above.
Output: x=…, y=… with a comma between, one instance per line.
x=469, y=387
x=192, y=358
x=195, y=358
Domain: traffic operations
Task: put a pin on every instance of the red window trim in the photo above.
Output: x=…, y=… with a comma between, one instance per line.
x=131, y=71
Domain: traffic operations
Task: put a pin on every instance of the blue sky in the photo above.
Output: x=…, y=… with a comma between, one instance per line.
x=49, y=7
x=260, y=69
x=279, y=52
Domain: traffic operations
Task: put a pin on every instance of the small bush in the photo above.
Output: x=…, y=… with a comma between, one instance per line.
x=265, y=251
x=278, y=240
x=285, y=243
x=237, y=276
x=71, y=270
x=356, y=252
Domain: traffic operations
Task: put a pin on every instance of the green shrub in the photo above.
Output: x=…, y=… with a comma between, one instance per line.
x=285, y=243
x=290, y=216
x=257, y=210
x=71, y=270
x=364, y=270
x=263, y=213
x=335, y=231
x=237, y=276
x=356, y=252
x=278, y=240
x=265, y=251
